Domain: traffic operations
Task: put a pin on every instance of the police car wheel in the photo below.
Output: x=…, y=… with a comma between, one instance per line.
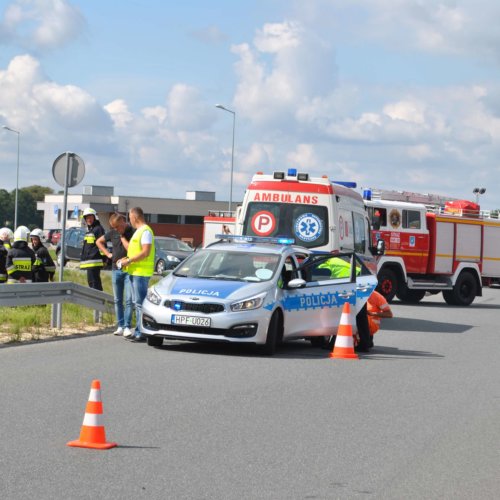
x=274, y=335
x=155, y=341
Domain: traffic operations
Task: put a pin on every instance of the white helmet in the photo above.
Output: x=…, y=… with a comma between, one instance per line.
x=38, y=233
x=22, y=233
x=6, y=234
x=89, y=211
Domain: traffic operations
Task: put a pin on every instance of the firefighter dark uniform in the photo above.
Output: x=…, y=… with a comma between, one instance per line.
x=44, y=268
x=3, y=263
x=20, y=258
x=91, y=259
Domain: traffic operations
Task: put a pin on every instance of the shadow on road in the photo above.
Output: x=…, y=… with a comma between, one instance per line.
x=292, y=349
x=423, y=325
x=444, y=305
x=382, y=352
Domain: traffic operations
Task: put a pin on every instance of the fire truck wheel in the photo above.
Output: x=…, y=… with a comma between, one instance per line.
x=464, y=292
x=409, y=296
x=387, y=284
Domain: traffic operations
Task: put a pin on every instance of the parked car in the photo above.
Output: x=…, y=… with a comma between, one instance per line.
x=170, y=252
x=74, y=243
x=252, y=291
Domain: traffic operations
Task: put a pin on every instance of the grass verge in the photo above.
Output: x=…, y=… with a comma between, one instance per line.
x=32, y=323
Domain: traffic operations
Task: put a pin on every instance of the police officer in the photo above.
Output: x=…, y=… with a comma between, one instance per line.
x=44, y=268
x=91, y=259
x=20, y=258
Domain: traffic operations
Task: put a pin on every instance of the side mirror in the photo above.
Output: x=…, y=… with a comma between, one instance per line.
x=296, y=283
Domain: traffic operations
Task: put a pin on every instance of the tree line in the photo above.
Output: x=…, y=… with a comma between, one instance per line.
x=27, y=214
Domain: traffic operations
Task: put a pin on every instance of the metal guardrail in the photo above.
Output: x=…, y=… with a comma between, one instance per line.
x=30, y=294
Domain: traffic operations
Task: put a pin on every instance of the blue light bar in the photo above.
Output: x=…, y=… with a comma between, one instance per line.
x=346, y=184
x=255, y=239
x=292, y=172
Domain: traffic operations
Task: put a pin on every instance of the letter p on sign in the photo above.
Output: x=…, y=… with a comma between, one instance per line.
x=263, y=223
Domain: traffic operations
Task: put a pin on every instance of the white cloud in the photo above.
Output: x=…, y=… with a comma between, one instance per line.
x=41, y=24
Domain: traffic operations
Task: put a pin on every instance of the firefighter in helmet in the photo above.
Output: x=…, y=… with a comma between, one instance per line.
x=6, y=236
x=44, y=268
x=20, y=258
x=91, y=259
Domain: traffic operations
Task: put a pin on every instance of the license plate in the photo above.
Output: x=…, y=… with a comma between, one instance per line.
x=178, y=319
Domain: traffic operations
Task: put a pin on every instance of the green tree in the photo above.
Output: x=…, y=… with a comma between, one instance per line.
x=6, y=209
x=38, y=192
x=27, y=213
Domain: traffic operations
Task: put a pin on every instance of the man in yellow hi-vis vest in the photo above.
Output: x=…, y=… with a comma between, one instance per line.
x=139, y=263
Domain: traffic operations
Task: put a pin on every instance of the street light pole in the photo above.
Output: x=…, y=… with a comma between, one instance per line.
x=477, y=192
x=220, y=106
x=17, y=171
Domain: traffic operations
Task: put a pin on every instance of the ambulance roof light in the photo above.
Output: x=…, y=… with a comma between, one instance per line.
x=279, y=175
x=302, y=177
x=347, y=184
x=292, y=172
x=259, y=173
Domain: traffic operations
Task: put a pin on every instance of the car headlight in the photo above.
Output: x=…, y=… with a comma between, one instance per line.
x=153, y=296
x=248, y=304
x=172, y=258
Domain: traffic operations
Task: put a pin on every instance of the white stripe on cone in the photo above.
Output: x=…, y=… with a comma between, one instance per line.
x=93, y=420
x=344, y=341
x=95, y=395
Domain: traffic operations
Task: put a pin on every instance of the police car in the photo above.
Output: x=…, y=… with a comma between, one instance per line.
x=254, y=290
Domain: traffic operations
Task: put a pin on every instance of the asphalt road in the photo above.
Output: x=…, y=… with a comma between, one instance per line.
x=416, y=418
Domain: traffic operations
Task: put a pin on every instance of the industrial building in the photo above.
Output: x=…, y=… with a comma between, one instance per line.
x=182, y=218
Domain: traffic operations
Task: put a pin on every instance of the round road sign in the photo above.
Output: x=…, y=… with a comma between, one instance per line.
x=76, y=169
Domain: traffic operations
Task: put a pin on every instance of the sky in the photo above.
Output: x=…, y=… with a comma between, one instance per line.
x=392, y=94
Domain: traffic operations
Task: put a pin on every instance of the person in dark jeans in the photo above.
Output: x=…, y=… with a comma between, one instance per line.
x=119, y=235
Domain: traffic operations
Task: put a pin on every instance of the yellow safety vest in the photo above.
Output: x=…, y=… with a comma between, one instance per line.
x=144, y=267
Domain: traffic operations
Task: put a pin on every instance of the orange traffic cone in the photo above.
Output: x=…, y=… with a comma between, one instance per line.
x=344, y=343
x=92, y=434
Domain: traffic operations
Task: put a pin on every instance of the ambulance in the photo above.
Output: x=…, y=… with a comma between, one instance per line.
x=317, y=213
x=452, y=248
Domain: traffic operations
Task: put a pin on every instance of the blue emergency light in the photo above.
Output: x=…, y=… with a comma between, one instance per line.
x=292, y=172
x=347, y=184
x=255, y=239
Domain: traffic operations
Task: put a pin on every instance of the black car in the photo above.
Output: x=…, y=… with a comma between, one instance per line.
x=169, y=253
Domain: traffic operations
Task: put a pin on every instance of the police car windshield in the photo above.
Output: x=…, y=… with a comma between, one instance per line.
x=228, y=265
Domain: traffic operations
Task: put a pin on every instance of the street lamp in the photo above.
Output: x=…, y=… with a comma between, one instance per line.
x=17, y=171
x=220, y=106
x=477, y=192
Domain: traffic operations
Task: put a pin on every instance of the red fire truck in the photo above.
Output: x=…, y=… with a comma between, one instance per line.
x=452, y=248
